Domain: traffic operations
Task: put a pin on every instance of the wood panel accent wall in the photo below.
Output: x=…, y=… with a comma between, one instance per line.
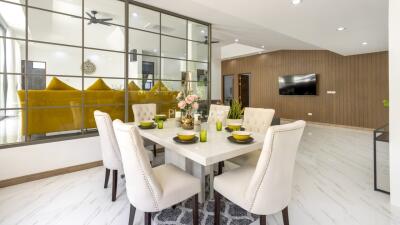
x=360, y=81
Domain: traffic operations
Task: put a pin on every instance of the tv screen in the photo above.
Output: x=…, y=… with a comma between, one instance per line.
x=298, y=84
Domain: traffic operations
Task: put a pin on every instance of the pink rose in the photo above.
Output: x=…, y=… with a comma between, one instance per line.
x=182, y=104
x=195, y=106
x=189, y=99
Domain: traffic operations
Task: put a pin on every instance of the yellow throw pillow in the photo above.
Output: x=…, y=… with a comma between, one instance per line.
x=159, y=86
x=57, y=84
x=98, y=85
x=133, y=87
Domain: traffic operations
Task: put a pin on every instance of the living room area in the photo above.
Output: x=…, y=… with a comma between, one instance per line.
x=326, y=68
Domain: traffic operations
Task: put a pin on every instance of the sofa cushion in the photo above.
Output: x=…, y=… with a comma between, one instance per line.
x=98, y=85
x=159, y=86
x=57, y=84
x=133, y=87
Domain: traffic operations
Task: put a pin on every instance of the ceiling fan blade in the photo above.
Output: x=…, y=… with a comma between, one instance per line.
x=90, y=22
x=107, y=24
x=104, y=20
x=214, y=42
x=90, y=16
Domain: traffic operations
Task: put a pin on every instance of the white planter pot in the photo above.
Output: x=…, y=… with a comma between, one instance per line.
x=235, y=121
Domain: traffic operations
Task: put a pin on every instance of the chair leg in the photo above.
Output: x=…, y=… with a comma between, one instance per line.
x=220, y=167
x=107, y=177
x=132, y=212
x=155, y=150
x=114, y=187
x=285, y=215
x=217, y=207
x=263, y=220
x=147, y=218
x=195, y=209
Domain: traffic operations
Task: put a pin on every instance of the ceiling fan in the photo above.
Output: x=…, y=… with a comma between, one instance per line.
x=212, y=41
x=94, y=20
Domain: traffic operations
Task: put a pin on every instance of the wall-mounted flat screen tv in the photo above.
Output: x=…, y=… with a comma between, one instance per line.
x=298, y=84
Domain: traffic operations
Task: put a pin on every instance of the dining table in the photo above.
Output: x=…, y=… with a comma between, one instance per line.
x=200, y=158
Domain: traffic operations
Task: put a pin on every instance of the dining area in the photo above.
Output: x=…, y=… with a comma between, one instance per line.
x=211, y=158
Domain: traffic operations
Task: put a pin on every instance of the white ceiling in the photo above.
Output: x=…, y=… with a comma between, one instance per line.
x=277, y=24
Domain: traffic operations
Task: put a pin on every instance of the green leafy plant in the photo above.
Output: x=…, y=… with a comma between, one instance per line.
x=385, y=103
x=236, y=111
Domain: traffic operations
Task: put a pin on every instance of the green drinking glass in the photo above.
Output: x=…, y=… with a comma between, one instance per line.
x=219, y=125
x=160, y=124
x=203, y=135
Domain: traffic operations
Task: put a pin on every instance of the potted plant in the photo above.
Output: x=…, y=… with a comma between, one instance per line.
x=235, y=113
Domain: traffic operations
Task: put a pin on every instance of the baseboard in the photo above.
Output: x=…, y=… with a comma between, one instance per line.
x=46, y=174
x=283, y=120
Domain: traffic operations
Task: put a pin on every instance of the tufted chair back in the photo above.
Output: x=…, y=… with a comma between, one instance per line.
x=270, y=188
x=257, y=119
x=109, y=146
x=214, y=113
x=144, y=111
x=142, y=187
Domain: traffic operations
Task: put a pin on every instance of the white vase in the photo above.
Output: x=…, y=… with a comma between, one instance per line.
x=234, y=121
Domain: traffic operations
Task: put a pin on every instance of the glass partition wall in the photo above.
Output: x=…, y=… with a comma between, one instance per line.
x=60, y=60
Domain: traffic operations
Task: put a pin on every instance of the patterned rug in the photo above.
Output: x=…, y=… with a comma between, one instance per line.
x=230, y=214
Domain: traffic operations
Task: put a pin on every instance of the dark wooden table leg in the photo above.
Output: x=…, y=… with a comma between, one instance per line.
x=263, y=220
x=285, y=215
x=114, y=187
x=147, y=218
x=155, y=150
x=132, y=212
x=107, y=177
x=217, y=207
x=195, y=209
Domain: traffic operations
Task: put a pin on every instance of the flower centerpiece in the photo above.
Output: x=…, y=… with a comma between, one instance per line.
x=188, y=104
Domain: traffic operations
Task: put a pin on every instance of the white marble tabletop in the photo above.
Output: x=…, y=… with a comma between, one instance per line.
x=217, y=148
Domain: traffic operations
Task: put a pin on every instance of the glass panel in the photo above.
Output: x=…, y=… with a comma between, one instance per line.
x=45, y=122
x=173, y=26
x=104, y=64
x=17, y=1
x=174, y=85
x=143, y=42
x=197, y=32
x=173, y=47
x=106, y=9
x=60, y=60
x=197, y=51
x=11, y=126
x=173, y=69
x=114, y=85
x=11, y=52
x=116, y=111
x=13, y=20
x=57, y=94
x=144, y=19
x=53, y=27
x=10, y=89
x=199, y=71
x=228, y=89
x=105, y=37
x=146, y=68
x=73, y=7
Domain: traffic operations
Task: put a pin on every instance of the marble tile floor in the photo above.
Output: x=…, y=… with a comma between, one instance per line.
x=333, y=185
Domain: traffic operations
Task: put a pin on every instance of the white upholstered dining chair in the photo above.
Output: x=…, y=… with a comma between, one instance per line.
x=217, y=111
x=254, y=120
x=152, y=189
x=266, y=188
x=109, y=149
x=145, y=112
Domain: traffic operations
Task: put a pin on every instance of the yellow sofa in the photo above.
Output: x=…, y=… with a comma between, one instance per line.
x=60, y=110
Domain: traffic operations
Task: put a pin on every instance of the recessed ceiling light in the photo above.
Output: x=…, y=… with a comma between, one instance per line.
x=341, y=28
x=296, y=2
x=262, y=46
x=203, y=31
x=364, y=43
x=155, y=50
x=236, y=40
x=135, y=14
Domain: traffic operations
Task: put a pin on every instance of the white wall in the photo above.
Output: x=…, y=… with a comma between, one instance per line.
x=216, y=73
x=394, y=96
x=25, y=160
